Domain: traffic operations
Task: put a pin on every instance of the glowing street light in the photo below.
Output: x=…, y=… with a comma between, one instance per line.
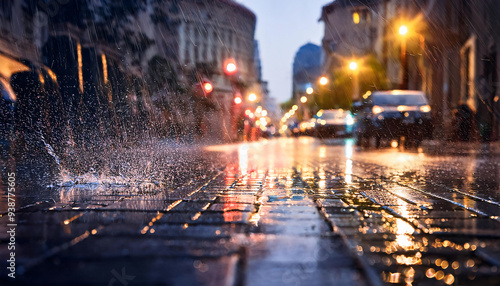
x=295, y=107
x=403, y=30
x=303, y=99
x=353, y=65
x=208, y=87
x=309, y=90
x=230, y=67
x=238, y=100
x=252, y=97
x=323, y=80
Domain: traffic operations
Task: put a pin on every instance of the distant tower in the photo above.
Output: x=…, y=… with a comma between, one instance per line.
x=306, y=68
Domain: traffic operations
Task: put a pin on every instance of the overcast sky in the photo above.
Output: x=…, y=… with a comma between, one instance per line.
x=282, y=27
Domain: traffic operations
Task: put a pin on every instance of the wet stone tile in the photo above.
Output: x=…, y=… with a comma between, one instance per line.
x=176, y=217
x=293, y=227
x=202, y=197
x=143, y=271
x=231, y=206
x=331, y=203
x=339, y=210
x=220, y=218
x=268, y=273
x=243, y=199
x=188, y=206
x=193, y=231
x=149, y=246
x=347, y=221
x=139, y=205
x=437, y=214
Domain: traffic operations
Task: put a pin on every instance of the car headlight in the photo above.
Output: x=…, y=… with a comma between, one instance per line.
x=425, y=108
x=377, y=109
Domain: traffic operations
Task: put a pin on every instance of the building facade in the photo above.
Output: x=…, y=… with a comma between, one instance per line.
x=104, y=53
x=350, y=31
x=207, y=33
x=450, y=51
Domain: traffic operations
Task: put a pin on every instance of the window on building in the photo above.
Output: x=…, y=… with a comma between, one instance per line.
x=361, y=15
x=355, y=17
x=366, y=16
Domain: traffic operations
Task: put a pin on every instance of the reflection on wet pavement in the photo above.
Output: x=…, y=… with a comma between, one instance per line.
x=278, y=212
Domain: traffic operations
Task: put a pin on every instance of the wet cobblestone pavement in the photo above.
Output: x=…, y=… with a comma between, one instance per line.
x=279, y=212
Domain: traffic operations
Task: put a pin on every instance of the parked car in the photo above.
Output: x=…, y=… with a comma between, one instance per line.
x=334, y=123
x=308, y=128
x=391, y=115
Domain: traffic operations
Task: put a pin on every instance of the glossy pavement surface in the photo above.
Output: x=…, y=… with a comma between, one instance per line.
x=278, y=212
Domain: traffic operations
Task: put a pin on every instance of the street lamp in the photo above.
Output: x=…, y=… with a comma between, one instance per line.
x=403, y=30
x=252, y=97
x=309, y=90
x=355, y=81
x=353, y=65
x=303, y=99
x=230, y=69
x=323, y=80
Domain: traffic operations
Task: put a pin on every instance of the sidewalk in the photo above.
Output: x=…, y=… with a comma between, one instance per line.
x=439, y=147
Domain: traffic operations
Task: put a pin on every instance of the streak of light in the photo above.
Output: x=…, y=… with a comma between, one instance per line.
x=104, y=68
x=348, y=171
x=80, y=66
x=173, y=205
x=196, y=216
x=322, y=152
x=349, y=147
x=68, y=221
x=243, y=159
x=153, y=220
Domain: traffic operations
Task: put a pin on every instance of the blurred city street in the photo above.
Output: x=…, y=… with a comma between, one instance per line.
x=250, y=142
x=287, y=211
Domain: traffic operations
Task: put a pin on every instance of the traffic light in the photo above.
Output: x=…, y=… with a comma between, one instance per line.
x=230, y=67
x=238, y=100
x=208, y=87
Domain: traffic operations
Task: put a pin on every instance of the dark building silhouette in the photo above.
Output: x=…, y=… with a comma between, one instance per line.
x=306, y=68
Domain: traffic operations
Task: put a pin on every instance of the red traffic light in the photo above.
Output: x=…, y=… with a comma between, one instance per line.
x=230, y=67
x=238, y=100
x=208, y=87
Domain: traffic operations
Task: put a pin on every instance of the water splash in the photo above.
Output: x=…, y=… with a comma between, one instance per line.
x=51, y=152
